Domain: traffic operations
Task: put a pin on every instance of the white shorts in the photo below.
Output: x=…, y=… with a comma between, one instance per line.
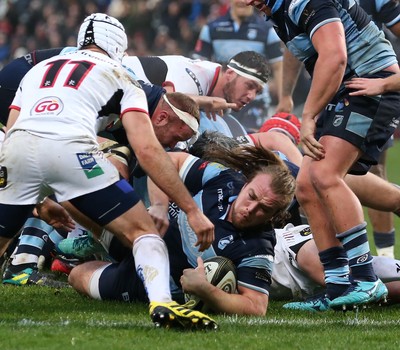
x=37, y=167
x=288, y=281
x=2, y=136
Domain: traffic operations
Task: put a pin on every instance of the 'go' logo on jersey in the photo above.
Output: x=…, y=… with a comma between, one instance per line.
x=48, y=106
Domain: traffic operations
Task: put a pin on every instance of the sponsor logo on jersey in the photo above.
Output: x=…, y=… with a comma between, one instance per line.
x=48, y=106
x=224, y=241
x=220, y=199
x=89, y=165
x=3, y=177
x=252, y=33
x=338, y=120
x=196, y=81
x=339, y=107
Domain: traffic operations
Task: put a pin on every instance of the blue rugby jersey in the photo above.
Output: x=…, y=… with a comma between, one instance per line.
x=385, y=12
x=368, y=50
x=222, y=39
x=214, y=188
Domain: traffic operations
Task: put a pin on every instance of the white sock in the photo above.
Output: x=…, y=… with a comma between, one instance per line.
x=152, y=265
x=105, y=239
x=387, y=251
x=387, y=269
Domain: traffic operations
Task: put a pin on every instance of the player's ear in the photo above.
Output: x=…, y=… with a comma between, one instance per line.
x=161, y=118
x=230, y=74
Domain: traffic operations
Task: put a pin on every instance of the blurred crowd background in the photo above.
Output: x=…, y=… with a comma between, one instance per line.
x=154, y=27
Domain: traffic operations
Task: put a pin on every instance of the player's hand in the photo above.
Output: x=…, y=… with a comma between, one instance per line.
x=203, y=228
x=217, y=106
x=285, y=104
x=159, y=214
x=55, y=215
x=192, y=280
x=310, y=146
x=365, y=86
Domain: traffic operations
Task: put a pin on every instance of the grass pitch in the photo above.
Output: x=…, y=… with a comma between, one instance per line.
x=35, y=317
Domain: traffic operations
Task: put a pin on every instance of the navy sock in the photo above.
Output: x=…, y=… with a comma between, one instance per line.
x=384, y=239
x=355, y=242
x=336, y=268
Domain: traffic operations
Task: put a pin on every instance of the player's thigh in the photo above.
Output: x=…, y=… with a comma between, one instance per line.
x=118, y=282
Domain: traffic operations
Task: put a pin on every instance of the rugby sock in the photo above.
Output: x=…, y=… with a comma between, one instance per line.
x=33, y=237
x=152, y=266
x=387, y=269
x=355, y=243
x=384, y=243
x=336, y=268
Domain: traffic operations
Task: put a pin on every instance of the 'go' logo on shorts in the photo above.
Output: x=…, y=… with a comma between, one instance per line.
x=48, y=106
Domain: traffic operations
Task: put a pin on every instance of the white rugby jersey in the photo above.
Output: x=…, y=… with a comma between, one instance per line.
x=63, y=96
x=187, y=75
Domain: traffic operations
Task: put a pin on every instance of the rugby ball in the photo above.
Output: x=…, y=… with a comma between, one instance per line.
x=220, y=272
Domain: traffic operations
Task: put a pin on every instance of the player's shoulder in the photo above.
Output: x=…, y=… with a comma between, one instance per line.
x=223, y=20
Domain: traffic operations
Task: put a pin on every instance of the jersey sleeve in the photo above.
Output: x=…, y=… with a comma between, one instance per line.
x=273, y=48
x=134, y=98
x=388, y=12
x=310, y=15
x=255, y=270
x=203, y=48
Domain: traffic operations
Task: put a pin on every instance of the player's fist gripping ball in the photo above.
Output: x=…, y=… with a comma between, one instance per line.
x=220, y=272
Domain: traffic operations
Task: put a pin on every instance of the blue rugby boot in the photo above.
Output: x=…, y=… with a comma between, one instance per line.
x=313, y=304
x=361, y=293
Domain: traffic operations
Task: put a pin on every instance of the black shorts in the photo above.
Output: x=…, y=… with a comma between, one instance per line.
x=367, y=122
x=10, y=77
x=119, y=281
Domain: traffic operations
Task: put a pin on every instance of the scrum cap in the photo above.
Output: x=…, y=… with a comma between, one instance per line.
x=105, y=32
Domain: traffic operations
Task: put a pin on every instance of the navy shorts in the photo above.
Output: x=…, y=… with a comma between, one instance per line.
x=367, y=122
x=119, y=281
x=105, y=205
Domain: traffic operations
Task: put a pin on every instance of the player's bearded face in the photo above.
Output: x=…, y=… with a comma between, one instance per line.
x=240, y=91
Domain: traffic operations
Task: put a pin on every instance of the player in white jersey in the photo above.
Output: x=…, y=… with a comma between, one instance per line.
x=53, y=119
x=298, y=274
x=239, y=81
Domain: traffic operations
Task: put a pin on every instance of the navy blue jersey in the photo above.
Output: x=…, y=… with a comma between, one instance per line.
x=385, y=12
x=12, y=74
x=222, y=39
x=296, y=22
x=214, y=188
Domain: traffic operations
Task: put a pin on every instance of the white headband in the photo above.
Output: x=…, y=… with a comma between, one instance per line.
x=186, y=117
x=249, y=73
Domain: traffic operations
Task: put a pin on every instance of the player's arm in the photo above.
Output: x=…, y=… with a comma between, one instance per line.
x=159, y=167
x=159, y=201
x=329, y=42
x=212, y=106
x=12, y=118
x=246, y=302
x=275, y=84
x=290, y=74
x=395, y=29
